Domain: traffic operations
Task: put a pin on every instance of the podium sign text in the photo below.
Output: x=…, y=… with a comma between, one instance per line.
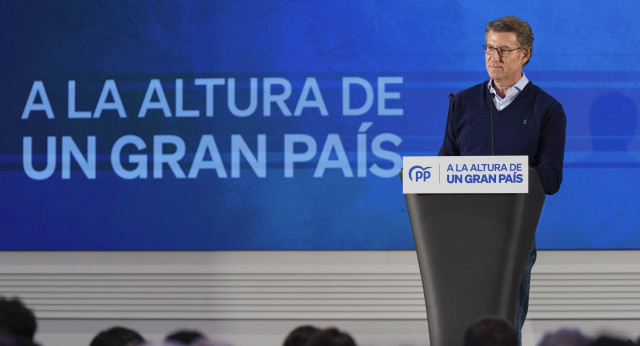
x=465, y=174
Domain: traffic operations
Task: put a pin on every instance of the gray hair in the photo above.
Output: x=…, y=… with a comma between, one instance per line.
x=521, y=28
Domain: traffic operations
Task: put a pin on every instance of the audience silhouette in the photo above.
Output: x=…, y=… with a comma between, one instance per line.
x=491, y=331
x=117, y=336
x=300, y=335
x=18, y=326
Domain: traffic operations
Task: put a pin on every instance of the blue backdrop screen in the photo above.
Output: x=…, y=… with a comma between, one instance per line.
x=281, y=125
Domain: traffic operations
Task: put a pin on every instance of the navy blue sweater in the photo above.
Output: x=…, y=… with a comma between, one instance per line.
x=534, y=124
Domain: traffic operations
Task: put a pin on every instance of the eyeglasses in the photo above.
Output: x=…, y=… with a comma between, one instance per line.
x=488, y=50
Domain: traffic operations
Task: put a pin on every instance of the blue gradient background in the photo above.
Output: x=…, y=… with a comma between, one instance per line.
x=585, y=54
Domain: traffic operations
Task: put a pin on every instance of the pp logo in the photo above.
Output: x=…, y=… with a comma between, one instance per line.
x=419, y=173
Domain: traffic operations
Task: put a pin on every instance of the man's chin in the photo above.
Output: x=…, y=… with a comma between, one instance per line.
x=494, y=71
x=495, y=76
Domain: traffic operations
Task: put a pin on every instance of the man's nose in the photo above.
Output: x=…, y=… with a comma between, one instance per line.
x=494, y=56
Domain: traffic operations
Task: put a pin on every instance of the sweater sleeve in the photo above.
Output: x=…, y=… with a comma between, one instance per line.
x=449, y=145
x=549, y=158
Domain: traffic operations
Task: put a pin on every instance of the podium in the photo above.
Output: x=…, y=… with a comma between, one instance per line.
x=472, y=250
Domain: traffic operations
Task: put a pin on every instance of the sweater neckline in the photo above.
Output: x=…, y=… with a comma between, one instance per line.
x=518, y=97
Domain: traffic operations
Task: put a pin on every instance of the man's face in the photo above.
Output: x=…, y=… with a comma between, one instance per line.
x=508, y=68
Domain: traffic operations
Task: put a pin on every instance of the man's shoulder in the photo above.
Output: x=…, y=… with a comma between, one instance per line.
x=541, y=95
x=474, y=90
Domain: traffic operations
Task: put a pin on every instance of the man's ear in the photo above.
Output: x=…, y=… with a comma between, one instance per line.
x=526, y=55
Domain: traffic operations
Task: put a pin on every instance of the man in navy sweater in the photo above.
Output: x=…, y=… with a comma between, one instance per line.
x=509, y=115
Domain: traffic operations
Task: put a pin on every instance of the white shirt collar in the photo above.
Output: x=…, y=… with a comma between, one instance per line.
x=502, y=103
x=515, y=88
